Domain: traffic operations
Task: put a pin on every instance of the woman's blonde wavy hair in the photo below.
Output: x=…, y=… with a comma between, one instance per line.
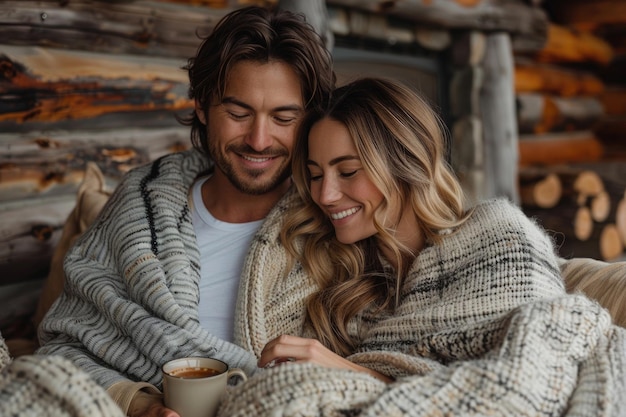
x=400, y=142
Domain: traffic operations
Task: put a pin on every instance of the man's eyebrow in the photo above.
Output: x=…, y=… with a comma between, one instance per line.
x=233, y=100
x=335, y=161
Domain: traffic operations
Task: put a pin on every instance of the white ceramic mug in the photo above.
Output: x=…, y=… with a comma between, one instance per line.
x=193, y=387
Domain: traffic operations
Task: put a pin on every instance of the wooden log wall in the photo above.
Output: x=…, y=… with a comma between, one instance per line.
x=81, y=81
x=571, y=112
x=89, y=80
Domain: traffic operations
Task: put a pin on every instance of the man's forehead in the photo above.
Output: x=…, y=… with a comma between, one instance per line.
x=273, y=83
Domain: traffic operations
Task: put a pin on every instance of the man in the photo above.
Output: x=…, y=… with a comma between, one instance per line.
x=156, y=276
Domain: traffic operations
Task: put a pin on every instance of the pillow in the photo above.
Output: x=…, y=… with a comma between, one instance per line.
x=601, y=281
x=91, y=196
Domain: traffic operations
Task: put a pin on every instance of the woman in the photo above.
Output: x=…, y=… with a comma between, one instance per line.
x=462, y=311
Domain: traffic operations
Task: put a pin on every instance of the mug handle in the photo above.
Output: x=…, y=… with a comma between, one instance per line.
x=236, y=372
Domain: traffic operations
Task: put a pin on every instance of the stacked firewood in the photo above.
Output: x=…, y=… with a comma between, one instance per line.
x=571, y=115
x=606, y=21
x=583, y=210
x=559, y=106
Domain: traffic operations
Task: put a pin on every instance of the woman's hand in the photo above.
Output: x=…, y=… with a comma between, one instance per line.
x=287, y=348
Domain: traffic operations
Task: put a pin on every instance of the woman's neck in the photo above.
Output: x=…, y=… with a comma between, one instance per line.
x=410, y=235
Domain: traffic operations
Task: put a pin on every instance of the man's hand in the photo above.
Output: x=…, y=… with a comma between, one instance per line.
x=159, y=410
x=149, y=405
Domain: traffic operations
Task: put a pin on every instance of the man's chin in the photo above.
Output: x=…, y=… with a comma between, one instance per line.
x=257, y=182
x=259, y=187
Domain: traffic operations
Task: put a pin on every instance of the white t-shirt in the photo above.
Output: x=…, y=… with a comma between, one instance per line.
x=223, y=248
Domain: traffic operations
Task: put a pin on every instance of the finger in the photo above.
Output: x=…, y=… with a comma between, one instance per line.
x=291, y=349
x=280, y=349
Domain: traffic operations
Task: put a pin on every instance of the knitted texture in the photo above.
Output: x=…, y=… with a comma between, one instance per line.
x=50, y=386
x=484, y=327
x=131, y=296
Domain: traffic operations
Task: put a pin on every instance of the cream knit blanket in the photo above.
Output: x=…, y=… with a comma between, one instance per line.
x=484, y=327
x=49, y=386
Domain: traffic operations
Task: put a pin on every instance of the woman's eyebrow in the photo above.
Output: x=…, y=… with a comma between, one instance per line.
x=335, y=161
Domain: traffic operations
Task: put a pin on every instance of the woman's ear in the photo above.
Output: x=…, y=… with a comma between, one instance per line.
x=200, y=112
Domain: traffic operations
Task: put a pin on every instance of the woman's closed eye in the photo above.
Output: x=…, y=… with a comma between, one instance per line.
x=315, y=177
x=347, y=174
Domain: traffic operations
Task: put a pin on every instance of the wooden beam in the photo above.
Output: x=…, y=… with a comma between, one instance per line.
x=533, y=77
x=541, y=113
x=28, y=236
x=151, y=28
x=565, y=45
x=497, y=103
x=46, y=87
x=37, y=164
x=467, y=157
x=535, y=113
x=513, y=16
x=559, y=148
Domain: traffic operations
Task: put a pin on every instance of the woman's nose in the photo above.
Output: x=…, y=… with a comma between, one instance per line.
x=329, y=191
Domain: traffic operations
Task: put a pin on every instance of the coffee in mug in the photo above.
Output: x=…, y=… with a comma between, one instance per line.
x=194, y=372
x=193, y=387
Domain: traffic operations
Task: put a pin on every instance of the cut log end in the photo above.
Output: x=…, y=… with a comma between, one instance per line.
x=601, y=206
x=544, y=193
x=620, y=219
x=588, y=183
x=611, y=245
x=583, y=224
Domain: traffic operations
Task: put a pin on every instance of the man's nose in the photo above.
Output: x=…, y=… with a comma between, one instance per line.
x=259, y=137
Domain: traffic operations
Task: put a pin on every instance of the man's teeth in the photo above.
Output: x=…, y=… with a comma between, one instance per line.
x=249, y=158
x=343, y=214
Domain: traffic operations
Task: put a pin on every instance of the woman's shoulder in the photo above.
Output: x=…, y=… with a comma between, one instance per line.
x=495, y=208
x=498, y=213
x=499, y=218
x=276, y=217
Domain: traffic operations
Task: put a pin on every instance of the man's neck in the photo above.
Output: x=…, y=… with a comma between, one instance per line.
x=228, y=204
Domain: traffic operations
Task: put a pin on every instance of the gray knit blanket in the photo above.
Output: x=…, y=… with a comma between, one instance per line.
x=130, y=301
x=49, y=386
x=484, y=327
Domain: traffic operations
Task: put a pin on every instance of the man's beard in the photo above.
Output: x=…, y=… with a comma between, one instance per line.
x=249, y=187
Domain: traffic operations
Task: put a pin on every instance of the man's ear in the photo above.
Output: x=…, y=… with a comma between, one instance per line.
x=200, y=113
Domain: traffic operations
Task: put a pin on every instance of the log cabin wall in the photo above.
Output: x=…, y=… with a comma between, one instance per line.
x=81, y=81
x=96, y=81
x=571, y=109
